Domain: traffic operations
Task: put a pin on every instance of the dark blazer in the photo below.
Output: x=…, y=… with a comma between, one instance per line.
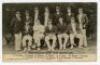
x=68, y=18
x=61, y=28
x=16, y=25
x=30, y=23
x=50, y=31
x=56, y=18
x=68, y=23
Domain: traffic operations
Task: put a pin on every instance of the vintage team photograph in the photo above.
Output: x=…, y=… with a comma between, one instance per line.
x=45, y=28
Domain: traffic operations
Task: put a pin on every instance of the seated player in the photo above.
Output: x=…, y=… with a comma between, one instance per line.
x=62, y=34
x=27, y=36
x=75, y=33
x=50, y=37
x=39, y=30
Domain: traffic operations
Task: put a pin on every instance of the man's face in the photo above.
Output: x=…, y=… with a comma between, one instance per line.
x=72, y=20
x=80, y=10
x=50, y=25
x=37, y=22
x=18, y=14
x=46, y=9
x=36, y=10
x=57, y=9
x=26, y=26
x=27, y=13
x=60, y=20
x=69, y=10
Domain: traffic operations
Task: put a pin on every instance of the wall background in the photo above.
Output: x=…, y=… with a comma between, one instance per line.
x=90, y=8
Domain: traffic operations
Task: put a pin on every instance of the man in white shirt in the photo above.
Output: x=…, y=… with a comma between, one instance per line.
x=36, y=14
x=46, y=16
x=82, y=20
x=39, y=30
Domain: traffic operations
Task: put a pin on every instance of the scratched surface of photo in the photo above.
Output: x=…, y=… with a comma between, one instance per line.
x=49, y=31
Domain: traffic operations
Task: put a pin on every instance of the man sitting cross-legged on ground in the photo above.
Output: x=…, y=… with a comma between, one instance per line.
x=50, y=35
x=62, y=33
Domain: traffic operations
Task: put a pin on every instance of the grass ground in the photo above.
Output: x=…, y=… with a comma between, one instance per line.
x=9, y=49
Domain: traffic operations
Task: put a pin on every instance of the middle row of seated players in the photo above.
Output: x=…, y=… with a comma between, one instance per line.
x=51, y=34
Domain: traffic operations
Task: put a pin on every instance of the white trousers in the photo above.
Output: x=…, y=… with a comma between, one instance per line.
x=18, y=41
x=37, y=38
x=29, y=38
x=61, y=43
x=84, y=38
x=47, y=40
x=79, y=36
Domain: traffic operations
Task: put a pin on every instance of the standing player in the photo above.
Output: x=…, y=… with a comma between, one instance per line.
x=27, y=33
x=16, y=24
x=50, y=37
x=57, y=15
x=82, y=20
x=39, y=30
x=46, y=16
x=62, y=33
x=36, y=16
x=68, y=18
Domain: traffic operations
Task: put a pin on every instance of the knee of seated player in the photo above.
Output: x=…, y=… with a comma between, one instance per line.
x=79, y=36
x=84, y=35
x=42, y=36
x=54, y=37
x=29, y=38
x=65, y=36
x=29, y=43
x=38, y=44
x=59, y=36
x=46, y=38
x=71, y=36
x=36, y=40
x=35, y=37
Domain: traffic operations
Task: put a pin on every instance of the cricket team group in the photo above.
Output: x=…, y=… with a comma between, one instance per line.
x=59, y=29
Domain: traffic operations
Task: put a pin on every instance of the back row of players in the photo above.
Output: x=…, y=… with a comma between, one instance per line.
x=29, y=30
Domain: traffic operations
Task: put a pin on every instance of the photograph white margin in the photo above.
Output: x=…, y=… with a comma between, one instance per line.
x=53, y=63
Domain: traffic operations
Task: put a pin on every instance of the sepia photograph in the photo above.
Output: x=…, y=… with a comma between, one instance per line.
x=65, y=31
